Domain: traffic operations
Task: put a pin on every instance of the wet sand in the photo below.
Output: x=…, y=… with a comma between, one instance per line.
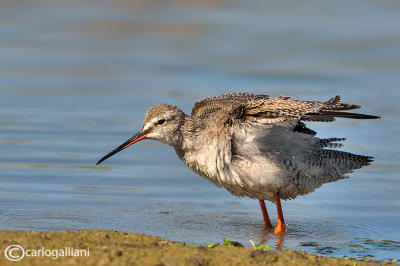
x=120, y=248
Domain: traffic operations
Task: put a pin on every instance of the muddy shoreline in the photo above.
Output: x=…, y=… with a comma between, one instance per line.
x=105, y=247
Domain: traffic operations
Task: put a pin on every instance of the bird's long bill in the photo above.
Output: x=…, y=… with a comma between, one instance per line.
x=141, y=135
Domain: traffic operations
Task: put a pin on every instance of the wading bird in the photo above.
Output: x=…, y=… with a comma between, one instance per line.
x=255, y=145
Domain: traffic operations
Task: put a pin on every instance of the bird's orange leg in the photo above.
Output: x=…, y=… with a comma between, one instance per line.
x=281, y=227
x=264, y=211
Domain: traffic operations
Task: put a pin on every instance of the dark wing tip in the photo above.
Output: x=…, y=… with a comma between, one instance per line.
x=348, y=115
x=372, y=117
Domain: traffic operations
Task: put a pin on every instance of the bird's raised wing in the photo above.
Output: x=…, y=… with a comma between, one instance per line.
x=225, y=102
x=266, y=110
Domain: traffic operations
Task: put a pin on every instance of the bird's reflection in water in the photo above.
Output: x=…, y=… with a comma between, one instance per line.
x=265, y=235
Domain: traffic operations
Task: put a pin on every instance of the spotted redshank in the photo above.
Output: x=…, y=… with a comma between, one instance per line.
x=255, y=145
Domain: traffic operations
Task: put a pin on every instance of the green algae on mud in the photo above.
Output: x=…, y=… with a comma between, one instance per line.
x=121, y=248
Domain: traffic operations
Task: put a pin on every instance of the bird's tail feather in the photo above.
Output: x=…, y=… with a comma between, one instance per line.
x=340, y=162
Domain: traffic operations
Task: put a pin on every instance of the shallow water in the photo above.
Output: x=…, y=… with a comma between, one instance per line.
x=77, y=76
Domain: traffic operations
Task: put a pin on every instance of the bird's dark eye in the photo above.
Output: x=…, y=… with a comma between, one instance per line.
x=161, y=122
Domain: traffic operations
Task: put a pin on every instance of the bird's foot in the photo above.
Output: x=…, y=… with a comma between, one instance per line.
x=280, y=228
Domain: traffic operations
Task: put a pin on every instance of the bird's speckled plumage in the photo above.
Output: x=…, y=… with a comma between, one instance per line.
x=256, y=145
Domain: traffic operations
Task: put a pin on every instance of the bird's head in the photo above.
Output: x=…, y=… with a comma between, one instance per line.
x=161, y=122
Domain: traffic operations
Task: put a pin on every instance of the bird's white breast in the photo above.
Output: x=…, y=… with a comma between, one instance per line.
x=254, y=177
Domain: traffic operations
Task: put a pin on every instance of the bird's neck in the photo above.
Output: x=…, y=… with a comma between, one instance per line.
x=176, y=139
x=187, y=135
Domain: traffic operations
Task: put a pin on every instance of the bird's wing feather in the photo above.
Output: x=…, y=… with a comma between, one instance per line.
x=225, y=102
x=266, y=110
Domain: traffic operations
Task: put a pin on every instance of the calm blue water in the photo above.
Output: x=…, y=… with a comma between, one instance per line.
x=76, y=78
